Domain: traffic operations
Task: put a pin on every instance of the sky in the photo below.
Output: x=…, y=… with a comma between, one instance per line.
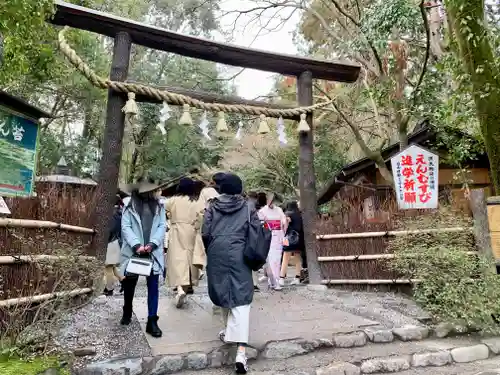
x=252, y=84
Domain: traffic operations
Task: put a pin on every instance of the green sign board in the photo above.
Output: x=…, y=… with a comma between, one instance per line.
x=18, y=145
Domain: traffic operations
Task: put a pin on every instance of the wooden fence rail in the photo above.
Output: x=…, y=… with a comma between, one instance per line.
x=341, y=258
x=391, y=233
x=16, y=259
x=44, y=297
x=26, y=223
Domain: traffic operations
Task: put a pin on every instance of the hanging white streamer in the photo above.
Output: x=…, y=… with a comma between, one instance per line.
x=239, y=132
x=164, y=116
x=204, y=125
x=281, y=132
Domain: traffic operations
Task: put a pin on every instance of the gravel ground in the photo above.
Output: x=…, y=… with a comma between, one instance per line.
x=97, y=326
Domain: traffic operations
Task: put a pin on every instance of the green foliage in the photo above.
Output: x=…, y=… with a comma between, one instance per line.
x=382, y=18
x=13, y=365
x=277, y=169
x=455, y=287
x=27, y=40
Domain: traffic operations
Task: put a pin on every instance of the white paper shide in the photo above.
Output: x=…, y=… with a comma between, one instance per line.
x=415, y=172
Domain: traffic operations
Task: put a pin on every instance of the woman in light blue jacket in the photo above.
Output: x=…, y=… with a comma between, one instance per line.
x=143, y=232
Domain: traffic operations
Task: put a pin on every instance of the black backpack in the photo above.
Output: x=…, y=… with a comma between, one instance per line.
x=258, y=243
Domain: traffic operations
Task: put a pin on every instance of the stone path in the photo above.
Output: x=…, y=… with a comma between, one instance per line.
x=296, y=332
x=292, y=313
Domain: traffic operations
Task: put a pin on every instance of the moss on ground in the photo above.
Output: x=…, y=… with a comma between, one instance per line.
x=33, y=366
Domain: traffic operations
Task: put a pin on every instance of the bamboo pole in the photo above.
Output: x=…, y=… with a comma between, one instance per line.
x=341, y=258
x=390, y=233
x=369, y=282
x=15, y=259
x=43, y=297
x=26, y=223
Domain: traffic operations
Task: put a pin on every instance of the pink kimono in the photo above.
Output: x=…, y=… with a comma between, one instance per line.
x=276, y=220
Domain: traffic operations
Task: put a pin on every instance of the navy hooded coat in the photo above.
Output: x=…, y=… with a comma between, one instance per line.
x=224, y=233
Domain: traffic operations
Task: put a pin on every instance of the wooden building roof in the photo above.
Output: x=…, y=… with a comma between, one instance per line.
x=422, y=133
x=21, y=106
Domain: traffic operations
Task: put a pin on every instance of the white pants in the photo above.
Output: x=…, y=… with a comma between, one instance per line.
x=255, y=278
x=237, y=324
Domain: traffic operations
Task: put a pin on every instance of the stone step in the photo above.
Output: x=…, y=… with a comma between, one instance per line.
x=347, y=354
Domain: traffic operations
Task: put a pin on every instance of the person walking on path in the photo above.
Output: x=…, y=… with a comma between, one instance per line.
x=113, y=251
x=143, y=229
x=230, y=286
x=293, y=243
x=275, y=218
x=212, y=190
x=183, y=211
x=252, y=199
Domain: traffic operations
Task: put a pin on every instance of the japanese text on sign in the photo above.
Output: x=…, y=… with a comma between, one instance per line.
x=18, y=145
x=415, y=172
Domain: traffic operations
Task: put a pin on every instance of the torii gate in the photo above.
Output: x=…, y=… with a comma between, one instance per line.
x=125, y=32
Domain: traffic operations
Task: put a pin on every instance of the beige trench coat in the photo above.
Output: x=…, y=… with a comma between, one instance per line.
x=182, y=260
x=206, y=195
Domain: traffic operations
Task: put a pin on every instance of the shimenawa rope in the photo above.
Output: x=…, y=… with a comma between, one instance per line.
x=177, y=99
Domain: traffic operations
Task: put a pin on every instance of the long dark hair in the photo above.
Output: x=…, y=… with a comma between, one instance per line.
x=187, y=188
x=140, y=199
x=292, y=206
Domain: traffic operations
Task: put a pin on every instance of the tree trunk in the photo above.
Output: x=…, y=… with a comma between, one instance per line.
x=467, y=21
x=111, y=147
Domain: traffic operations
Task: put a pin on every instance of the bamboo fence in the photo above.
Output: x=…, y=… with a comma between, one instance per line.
x=354, y=250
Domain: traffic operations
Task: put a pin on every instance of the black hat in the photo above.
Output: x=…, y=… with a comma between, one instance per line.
x=231, y=184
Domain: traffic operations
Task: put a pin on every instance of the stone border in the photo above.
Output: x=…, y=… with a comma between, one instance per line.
x=169, y=364
x=426, y=359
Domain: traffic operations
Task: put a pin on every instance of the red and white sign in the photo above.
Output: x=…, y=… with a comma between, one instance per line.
x=415, y=172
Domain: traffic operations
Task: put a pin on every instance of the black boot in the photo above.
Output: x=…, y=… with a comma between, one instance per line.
x=152, y=327
x=108, y=292
x=126, y=317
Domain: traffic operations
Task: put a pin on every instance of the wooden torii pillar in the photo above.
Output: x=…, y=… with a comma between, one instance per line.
x=125, y=32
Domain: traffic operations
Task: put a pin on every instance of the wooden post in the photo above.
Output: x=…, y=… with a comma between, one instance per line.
x=307, y=179
x=109, y=167
x=481, y=226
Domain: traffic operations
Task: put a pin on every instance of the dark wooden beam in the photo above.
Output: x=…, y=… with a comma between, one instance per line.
x=307, y=180
x=109, y=167
x=208, y=97
x=164, y=40
x=22, y=106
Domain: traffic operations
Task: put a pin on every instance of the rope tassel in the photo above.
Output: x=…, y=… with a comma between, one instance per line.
x=186, y=116
x=263, y=127
x=303, y=125
x=221, y=123
x=130, y=107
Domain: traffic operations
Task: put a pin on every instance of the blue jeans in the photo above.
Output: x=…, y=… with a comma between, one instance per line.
x=129, y=284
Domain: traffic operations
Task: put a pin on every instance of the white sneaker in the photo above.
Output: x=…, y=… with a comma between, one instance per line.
x=278, y=287
x=281, y=281
x=295, y=281
x=179, y=299
x=241, y=363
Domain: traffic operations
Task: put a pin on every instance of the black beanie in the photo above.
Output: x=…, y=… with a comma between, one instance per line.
x=231, y=184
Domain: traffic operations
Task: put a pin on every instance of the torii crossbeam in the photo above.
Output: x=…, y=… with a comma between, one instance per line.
x=125, y=32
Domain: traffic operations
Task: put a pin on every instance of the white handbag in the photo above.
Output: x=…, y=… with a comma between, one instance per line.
x=113, y=254
x=139, y=266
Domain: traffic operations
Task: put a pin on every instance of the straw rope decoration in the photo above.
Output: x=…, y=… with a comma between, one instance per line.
x=177, y=99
